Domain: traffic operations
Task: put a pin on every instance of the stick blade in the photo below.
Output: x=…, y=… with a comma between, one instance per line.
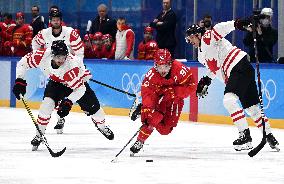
x=254, y=151
x=57, y=154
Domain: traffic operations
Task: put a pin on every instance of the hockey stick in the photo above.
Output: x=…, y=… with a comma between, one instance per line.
x=254, y=151
x=57, y=154
x=111, y=87
x=116, y=156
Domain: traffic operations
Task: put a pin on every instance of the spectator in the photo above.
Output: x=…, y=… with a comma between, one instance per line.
x=124, y=40
x=206, y=22
x=108, y=46
x=6, y=28
x=38, y=21
x=147, y=47
x=21, y=37
x=55, y=8
x=165, y=24
x=103, y=23
x=266, y=37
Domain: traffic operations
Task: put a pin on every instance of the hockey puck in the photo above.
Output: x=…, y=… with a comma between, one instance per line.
x=149, y=160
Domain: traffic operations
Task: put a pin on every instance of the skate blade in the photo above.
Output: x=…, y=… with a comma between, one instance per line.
x=247, y=146
x=59, y=131
x=34, y=148
x=276, y=148
x=132, y=154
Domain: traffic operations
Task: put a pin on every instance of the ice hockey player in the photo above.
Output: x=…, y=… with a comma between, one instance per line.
x=108, y=46
x=67, y=85
x=163, y=91
x=231, y=66
x=147, y=47
x=71, y=37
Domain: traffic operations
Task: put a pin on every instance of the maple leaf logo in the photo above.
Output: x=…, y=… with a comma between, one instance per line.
x=212, y=65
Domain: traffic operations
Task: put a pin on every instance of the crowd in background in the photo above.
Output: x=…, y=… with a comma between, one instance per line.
x=114, y=39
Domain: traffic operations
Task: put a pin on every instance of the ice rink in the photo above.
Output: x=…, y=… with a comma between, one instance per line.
x=195, y=153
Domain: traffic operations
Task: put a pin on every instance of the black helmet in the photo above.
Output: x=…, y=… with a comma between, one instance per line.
x=194, y=29
x=55, y=13
x=59, y=48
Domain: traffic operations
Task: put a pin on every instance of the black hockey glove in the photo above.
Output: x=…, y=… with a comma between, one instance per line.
x=64, y=108
x=202, y=87
x=19, y=87
x=136, y=113
x=242, y=24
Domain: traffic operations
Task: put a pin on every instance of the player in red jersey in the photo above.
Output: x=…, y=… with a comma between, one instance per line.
x=108, y=46
x=163, y=91
x=148, y=47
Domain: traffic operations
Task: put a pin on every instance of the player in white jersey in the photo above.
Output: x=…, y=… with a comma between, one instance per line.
x=71, y=38
x=67, y=85
x=231, y=66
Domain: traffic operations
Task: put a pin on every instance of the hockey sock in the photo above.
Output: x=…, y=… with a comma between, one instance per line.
x=255, y=113
x=44, y=114
x=99, y=118
x=144, y=133
x=230, y=102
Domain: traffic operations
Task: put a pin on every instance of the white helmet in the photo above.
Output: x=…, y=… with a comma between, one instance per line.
x=267, y=11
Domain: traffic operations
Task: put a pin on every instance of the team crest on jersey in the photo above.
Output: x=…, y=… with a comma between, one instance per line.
x=71, y=74
x=207, y=37
x=212, y=65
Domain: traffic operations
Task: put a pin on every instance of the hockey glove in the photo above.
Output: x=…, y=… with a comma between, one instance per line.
x=242, y=24
x=202, y=87
x=19, y=88
x=64, y=108
x=136, y=113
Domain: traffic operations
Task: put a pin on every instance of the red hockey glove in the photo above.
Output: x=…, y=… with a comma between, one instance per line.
x=151, y=117
x=8, y=44
x=64, y=107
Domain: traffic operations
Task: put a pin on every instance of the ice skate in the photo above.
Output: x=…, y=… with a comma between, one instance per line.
x=244, y=141
x=136, y=147
x=36, y=142
x=273, y=143
x=105, y=130
x=59, y=126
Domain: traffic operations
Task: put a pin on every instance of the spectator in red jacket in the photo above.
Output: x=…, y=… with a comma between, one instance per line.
x=124, y=40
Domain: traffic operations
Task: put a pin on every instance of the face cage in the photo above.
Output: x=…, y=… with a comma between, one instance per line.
x=163, y=69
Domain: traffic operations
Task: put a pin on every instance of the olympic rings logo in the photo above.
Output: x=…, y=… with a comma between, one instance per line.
x=268, y=91
x=131, y=84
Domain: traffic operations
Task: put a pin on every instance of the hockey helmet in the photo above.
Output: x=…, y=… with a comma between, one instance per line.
x=55, y=13
x=106, y=36
x=194, y=29
x=148, y=29
x=20, y=14
x=59, y=48
x=88, y=37
x=97, y=36
x=162, y=57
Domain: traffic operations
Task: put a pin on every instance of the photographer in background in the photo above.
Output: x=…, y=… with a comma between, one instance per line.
x=266, y=37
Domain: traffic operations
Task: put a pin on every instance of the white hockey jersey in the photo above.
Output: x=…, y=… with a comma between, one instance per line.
x=72, y=73
x=217, y=54
x=72, y=39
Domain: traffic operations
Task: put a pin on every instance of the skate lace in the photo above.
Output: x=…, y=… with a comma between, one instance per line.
x=61, y=121
x=106, y=130
x=138, y=144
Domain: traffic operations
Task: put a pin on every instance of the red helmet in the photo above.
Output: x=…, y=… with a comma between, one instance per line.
x=162, y=57
x=20, y=14
x=148, y=29
x=106, y=36
x=97, y=36
x=87, y=38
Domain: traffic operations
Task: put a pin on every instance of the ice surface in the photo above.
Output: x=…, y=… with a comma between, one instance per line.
x=194, y=153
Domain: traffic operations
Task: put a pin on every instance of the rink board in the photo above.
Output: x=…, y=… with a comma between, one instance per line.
x=128, y=75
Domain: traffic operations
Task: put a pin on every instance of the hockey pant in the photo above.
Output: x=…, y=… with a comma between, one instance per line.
x=166, y=125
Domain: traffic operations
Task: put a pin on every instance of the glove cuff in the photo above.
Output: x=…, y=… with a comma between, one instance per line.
x=21, y=82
